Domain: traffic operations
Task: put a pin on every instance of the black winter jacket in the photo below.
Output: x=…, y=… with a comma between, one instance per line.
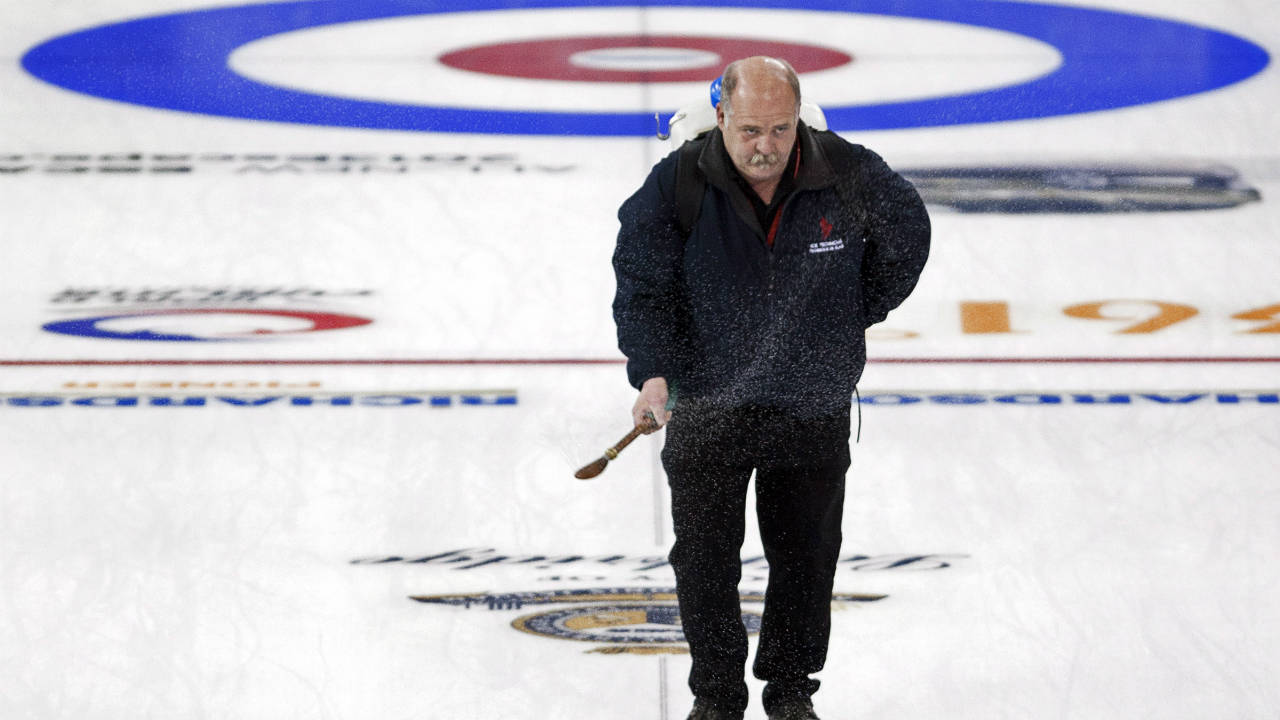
x=729, y=321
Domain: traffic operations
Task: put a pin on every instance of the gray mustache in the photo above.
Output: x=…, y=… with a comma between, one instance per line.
x=760, y=159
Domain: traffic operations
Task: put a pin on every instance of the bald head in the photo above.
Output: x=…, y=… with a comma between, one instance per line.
x=758, y=115
x=758, y=77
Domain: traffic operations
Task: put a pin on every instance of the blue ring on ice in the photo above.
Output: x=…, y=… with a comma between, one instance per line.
x=179, y=62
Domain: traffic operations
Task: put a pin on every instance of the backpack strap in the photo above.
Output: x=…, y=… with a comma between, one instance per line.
x=843, y=161
x=691, y=185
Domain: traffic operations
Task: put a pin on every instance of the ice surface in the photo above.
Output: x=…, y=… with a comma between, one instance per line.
x=234, y=529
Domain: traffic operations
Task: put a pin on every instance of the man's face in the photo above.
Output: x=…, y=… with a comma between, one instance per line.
x=759, y=130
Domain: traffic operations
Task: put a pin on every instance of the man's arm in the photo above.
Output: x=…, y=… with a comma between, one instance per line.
x=898, y=233
x=649, y=306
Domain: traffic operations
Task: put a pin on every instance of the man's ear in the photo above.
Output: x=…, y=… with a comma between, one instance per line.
x=720, y=116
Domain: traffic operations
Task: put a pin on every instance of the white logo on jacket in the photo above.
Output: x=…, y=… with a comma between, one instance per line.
x=827, y=246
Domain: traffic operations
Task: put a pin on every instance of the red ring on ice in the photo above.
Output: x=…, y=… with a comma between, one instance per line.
x=656, y=58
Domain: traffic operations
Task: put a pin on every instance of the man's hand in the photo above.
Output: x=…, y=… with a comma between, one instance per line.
x=650, y=410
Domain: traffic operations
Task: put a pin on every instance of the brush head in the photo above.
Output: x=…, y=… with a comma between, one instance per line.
x=587, y=472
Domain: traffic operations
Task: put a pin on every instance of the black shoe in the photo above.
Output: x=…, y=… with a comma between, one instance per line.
x=704, y=711
x=799, y=709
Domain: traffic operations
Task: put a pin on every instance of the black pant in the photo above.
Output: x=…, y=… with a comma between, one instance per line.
x=800, y=464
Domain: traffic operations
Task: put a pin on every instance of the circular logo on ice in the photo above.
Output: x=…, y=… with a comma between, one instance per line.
x=182, y=61
x=204, y=325
x=655, y=624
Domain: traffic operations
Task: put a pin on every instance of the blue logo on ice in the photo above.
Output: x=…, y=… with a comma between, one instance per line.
x=626, y=624
x=633, y=620
x=100, y=327
x=180, y=62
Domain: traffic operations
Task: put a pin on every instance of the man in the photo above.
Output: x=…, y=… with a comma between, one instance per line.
x=756, y=316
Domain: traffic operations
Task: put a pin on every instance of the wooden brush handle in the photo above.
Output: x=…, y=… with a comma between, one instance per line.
x=612, y=453
x=595, y=468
